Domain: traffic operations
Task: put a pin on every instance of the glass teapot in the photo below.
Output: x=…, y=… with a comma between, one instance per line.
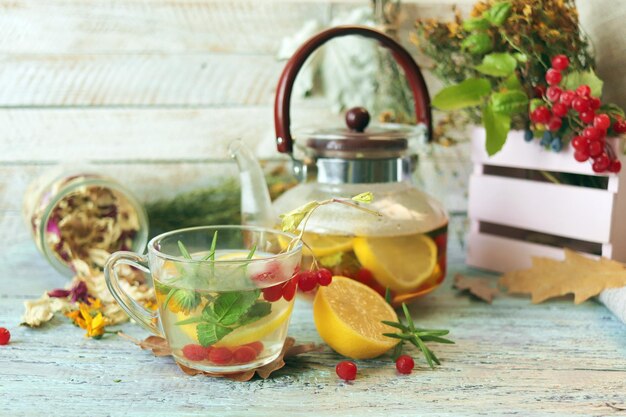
x=405, y=249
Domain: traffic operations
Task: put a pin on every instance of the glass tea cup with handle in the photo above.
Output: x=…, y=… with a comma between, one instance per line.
x=224, y=294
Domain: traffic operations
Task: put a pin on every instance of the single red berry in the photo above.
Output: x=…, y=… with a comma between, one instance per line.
x=592, y=133
x=583, y=90
x=595, y=148
x=405, y=364
x=553, y=93
x=602, y=161
x=220, y=355
x=541, y=115
x=365, y=276
x=579, y=143
x=559, y=109
x=555, y=123
x=290, y=287
x=553, y=77
x=594, y=103
x=346, y=370
x=539, y=90
x=273, y=293
x=257, y=346
x=587, y=116
x=244, y=354
x=567, y=97
x=560, y=62
x=324, y=277
x=581, y=155
x=308, y=281
x=602, y=121
x=619, y=126
x=195, y=352
x=5, y=336
x=616, y=166
x=581, y=104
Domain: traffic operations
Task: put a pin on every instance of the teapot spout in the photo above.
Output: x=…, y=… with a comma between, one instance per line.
x=256, y=205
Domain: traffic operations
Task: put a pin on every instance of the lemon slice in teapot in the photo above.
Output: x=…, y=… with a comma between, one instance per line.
x=401, y=263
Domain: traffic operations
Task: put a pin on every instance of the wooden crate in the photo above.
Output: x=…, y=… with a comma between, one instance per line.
x=515, y=213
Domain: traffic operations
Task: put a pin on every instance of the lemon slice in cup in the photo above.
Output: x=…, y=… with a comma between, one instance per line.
x=401, y=263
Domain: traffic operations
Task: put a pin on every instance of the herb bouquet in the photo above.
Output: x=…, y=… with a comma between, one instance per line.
x=525, y=65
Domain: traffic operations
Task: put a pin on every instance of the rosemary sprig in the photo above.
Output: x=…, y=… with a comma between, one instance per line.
x=416, y=336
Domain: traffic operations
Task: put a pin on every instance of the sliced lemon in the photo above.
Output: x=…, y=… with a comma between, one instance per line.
x=321, y=245
x=401, y=263
x=245, y=334
x=348, y=317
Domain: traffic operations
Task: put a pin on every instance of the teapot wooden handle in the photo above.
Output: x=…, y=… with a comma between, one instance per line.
x=282, y=119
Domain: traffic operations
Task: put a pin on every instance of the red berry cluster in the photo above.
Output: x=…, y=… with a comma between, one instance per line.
x=223, y=355
x=305, y=280
x=579, y=106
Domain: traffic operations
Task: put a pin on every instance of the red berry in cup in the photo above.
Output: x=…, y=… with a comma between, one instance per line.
x=581, y=104
x=541, y=115
x=553, y=93
x=602, y=121
x=555, y=123
x=273, y=293
x=307, y=281
x=560, y=62
x=196, y=352
x=257, y=346
x=619, y=126
x=244, y=354
x=595, y=148
x=324, y=277
x=220, y=355
x=553, y=77
x=616, y=166
x=559, y=109
x=290, y=287
x=581, y=155
x=346, y=370
x=405, y=364
x=594, y=103
x=592, y=133
x=587, y=116
x=567, y=97
x=580, y=143
x=583, y=91
x=5, y=336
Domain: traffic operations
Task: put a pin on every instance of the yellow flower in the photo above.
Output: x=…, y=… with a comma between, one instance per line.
x=87, y=317
x=453, y=27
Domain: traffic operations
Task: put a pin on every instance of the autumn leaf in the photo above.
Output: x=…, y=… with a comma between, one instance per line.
x=577, y=274
x=478, y=287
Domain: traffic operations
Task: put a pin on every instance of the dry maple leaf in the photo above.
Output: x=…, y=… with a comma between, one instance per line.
x=577, y=274
x=479, y=287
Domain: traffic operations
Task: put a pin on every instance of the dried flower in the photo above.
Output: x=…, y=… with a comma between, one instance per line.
x=89, y=318
x=77, y=293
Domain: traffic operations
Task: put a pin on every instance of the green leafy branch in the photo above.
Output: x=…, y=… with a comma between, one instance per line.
x=417, y=337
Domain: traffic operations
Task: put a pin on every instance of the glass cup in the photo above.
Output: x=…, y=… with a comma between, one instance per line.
x=224, y=294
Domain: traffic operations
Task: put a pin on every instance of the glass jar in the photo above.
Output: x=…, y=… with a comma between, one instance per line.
x=78, y=214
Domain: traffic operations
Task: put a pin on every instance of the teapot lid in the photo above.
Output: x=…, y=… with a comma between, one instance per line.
x=382, y=141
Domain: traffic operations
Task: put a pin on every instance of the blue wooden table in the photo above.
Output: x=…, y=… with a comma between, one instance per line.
x=509, y=358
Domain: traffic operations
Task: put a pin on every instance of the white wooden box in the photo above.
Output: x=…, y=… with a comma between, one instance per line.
x=515, y=213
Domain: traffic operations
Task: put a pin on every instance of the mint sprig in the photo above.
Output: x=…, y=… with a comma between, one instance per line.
x=416, y=336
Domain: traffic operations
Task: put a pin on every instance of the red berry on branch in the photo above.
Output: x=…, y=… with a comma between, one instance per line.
x=541, y=115
x=560, y=62
x=616, y=166
x=324, y=277
x=619, y=126
x=289, y=288
x=559, y=109
x=594, y=103
x=583, y=90
x=566, y=97
x=5, y=336
x=587, y=116
x=346, y=370
x=307, y=281
x=581, y=104
x=405, y=364
x=539, y=90
x=553, y=93
x=580, y=143
x=273, y=293
x=595, y=148
x=602, y=121
x=592, y=133
x=555, y=123
x=602, y=161
x=581, y=155
x=553, y=77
